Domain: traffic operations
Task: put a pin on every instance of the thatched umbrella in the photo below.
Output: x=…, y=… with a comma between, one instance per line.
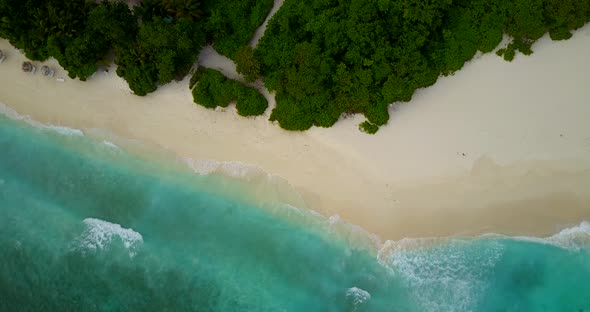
x=45, y=70
x=27, y=67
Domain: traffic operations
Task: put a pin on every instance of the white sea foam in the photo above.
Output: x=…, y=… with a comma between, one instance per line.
x=235, y=169
x=110, y=144
x=574, y=238
x=446, y=275
x=352, y=233
x=202, y=167
x=333, y=219
x=241, y=170
x=357, y=296
x=99, y=235
x=62, y=130
x=11, y=113
x=290, y=209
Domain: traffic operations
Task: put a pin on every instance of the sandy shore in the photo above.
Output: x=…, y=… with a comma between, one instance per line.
x=498, y=147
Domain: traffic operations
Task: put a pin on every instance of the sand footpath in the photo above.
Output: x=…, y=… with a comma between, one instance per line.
x=498, y=147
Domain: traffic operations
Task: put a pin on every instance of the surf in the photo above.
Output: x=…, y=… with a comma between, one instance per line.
x=83, y=224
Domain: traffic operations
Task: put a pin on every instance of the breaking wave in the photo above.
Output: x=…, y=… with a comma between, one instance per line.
x=11, y=113
x=463, y=273
x=100, y=235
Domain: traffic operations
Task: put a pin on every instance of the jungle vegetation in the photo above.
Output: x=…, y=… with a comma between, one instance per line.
x=152, y=43
x=323, y=58
x=213, y=89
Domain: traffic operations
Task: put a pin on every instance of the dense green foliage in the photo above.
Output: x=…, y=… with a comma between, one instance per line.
x=232, y=23
x=196, y=75
x=153, y=44
x=250, y=102
x=322, y=57
x=327, y=57
x=162, y=50
x=247, y=64
x=213, y=89
x=368, y=127
x=62, y=29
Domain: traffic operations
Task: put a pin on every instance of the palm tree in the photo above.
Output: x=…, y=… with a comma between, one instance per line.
x=183, y=8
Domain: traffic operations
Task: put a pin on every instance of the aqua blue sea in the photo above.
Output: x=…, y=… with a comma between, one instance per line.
x=88, y=226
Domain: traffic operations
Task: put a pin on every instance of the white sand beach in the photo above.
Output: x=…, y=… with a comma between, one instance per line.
x=498, y=147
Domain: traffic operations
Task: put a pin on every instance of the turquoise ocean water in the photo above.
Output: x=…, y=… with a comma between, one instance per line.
x=87, y=226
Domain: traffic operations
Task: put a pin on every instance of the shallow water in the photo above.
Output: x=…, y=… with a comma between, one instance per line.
x=85, y=225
